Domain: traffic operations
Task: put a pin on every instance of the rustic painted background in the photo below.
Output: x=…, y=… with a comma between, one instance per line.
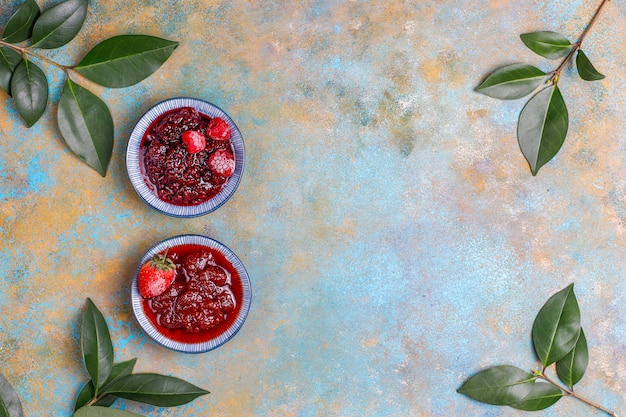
x=395, y=238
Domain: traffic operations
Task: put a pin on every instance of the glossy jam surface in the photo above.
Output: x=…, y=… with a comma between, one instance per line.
x=172, y=173
x=204, y=299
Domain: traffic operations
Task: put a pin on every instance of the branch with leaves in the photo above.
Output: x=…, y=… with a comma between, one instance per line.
x=83, y=118
x=109, y=380
x=544, y=120
x=558, y=339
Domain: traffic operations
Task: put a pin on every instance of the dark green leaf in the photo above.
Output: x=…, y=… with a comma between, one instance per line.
x=586, y=70
x=547, y=44
x=9, y=60
x=125, y=60
x=87, y=393
x=121, y=369
x=155, y=389
x=94, y=411
x=10, y=405
x=59, y=24
x=87, y=127
x=542, y=127
x=556, y=327
x=20, y=25
x=29, y=88
x=512, y=82
x=542, y=395
x=499, y=385
x=96, y=345
x=573, y=366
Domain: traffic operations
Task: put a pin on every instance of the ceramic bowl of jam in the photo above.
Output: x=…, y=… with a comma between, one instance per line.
x=207, y=302
x=185, y=157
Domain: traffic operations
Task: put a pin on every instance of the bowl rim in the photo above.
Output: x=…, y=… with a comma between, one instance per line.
x=199, y=347
x=133, y=166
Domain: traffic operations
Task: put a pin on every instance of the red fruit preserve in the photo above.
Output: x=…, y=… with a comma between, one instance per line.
x=174, y=172
x=204, y=300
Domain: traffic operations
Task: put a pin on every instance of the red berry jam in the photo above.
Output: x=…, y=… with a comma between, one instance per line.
x=204, y=300
x=176, y=175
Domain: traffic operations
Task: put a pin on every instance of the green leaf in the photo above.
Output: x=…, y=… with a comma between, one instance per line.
x=542, y=127
x=96, y=346
x=124, y=60
x=155, y=389
x=20, y=25
x=556, y=327
x=29, y=88
x=59, y=24
x=585, y=68
x=121, y=369
x=573, y=366
x=499, y=385
x=9, y=60
x=87, y=393
x=542, y=395
x=547, y=44
x=86, y=125
x=95, y=411
x=10, y=405
x=512, y=82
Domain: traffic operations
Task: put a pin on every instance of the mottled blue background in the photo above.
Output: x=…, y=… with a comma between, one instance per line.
x=394, y=236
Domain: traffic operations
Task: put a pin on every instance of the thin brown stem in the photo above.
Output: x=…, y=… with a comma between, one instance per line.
x=576, y=46
x=91, y=402
x=27, y=51
x=592, y=21
x=571, y=393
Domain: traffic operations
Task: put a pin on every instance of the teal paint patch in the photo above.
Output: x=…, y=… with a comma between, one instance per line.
x=6, y=263
x=37, y=175
x=29, y=177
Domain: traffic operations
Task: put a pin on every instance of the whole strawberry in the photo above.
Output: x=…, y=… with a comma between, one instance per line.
x=156, y=276
x=218, y=129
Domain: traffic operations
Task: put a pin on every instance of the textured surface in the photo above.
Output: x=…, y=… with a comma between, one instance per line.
x=395, y=239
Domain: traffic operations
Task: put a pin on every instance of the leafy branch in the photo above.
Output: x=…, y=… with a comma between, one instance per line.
x=558, y=339
x=543, y=122
x=109, y=380
x=83, y=118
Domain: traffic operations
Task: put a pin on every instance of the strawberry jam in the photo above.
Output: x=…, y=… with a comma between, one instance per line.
x=204, y=300
x=179, y=175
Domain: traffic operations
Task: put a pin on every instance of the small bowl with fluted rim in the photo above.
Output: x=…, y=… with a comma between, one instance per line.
x=165, y=182
x=237, y=285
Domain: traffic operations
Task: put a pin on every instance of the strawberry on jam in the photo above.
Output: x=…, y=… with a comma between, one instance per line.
x=156, y=276
x=204, y=299
x=176, y=157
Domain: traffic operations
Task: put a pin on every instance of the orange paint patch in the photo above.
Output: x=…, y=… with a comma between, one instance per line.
x=369, y=343
x=431, y=70
x=475, y=178
x=300, y=262
x=474, y=115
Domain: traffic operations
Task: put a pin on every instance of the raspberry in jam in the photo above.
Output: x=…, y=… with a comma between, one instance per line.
x=181, y=175
x=204, y=299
